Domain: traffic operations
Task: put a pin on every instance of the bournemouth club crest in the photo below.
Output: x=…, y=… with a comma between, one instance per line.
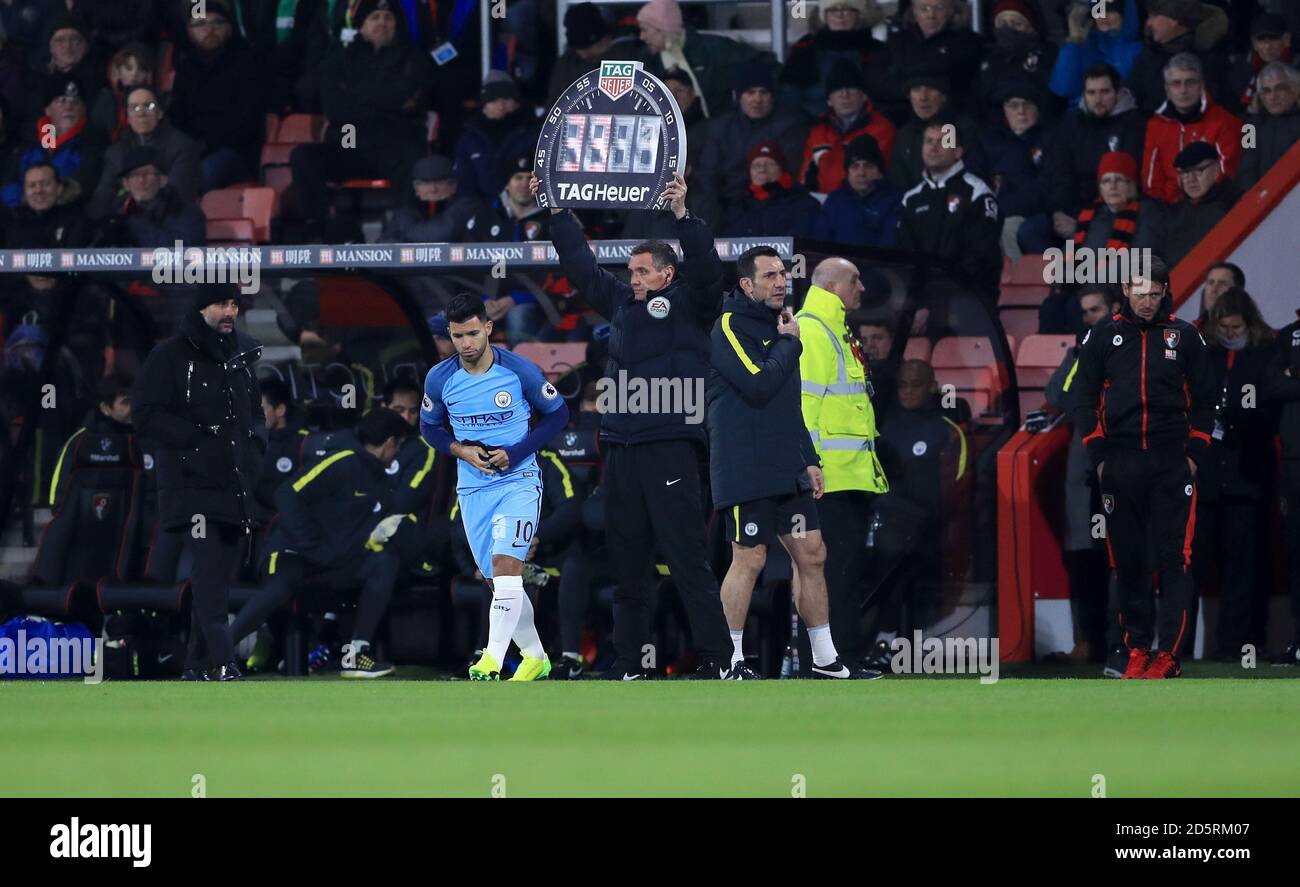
x=1171, y=338
x=1108, y=503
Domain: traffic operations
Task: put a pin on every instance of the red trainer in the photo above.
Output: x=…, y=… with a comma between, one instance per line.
x=1139, y=659
x=1164, y=665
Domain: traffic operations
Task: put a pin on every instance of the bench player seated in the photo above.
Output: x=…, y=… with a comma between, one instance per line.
x=338, y=516
x=487, y=396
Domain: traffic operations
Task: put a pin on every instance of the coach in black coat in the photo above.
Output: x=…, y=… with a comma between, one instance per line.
x=195, y=400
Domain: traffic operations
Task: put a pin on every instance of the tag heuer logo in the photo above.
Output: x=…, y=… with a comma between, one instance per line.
x=616, y=78
x=1108, y=502
x=1171, y=338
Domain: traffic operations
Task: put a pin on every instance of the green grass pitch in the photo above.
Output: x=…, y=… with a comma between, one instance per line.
x=1022, y=736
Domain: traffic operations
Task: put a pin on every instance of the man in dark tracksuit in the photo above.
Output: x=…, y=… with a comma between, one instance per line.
x=1282, y=385
x=763, y=468
x=339, y=515
x=285, y=434
x=659, y=338
x=196, y=401
x=1146, y=414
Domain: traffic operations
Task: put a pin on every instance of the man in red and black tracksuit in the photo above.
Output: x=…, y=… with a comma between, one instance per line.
x=1146, y=415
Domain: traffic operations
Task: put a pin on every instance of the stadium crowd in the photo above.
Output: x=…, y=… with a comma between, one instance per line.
x=909, y=131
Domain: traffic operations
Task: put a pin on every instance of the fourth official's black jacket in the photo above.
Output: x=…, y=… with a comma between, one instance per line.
x=759, y=446
x=1145, y=385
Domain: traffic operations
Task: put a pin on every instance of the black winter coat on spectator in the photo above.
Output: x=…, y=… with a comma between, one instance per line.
x=1274, y=136
x=811, y=59
x=1282, y=389
x=160, y=222
x=775, y=210
x=955, y=218
x=181, y=158
x=1032, y=63
x=279, y=61
x=1243, y=463
x=485, y=145
x=850, y=218
x=1146, y=79
x=1075, y=151
x=191, y=384
x=1185, y=223
x=217, y=99
x=417, y=222
x=954, y=53
x=384, y=93
x=1015, y=168
x=115, y=23
x=722, y=170
x=60, y=227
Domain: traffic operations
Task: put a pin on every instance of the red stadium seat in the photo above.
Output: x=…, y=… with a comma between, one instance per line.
x=272, y=127
x=1019, y=322
x=1038, y=358
x=918, y=348
x=964, y=351
x=254, y=205
x=1031, y=399
x=298, y=129
x=1024, y=285
x=276, y=154
x=230, y=232
x=554, y=359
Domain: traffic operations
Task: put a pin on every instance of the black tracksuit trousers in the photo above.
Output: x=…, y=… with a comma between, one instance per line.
x=654, y=498
x=1141, y=489
x=215, y=556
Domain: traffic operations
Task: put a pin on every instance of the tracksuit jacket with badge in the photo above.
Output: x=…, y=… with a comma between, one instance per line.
x=759, y=447
x=664, y=336
x=328, y=511
x=1284, y=389
x=1145, y=385
x=955, y=217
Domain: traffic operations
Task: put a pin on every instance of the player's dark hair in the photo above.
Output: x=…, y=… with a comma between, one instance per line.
x=1238, y=275
x=747, y=264
x=661, y=254
x=400, y=384
x=111, y=387
x=1105, y=290
x=1159, y=270
x=1102, y=69
x=680, y=76
x=860, y=319
x=379, y=425
x=278, y=392
x=465, y=306
x=44, y=164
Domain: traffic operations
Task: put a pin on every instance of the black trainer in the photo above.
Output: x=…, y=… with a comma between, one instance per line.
x=228, y=672
x=195, y=674
x=881, y=657
x=710, y=670
x=1289, y=656
x=367, y=666
x=568, y=669
x=1116, y=662
x=741, y=672
x=620, y=672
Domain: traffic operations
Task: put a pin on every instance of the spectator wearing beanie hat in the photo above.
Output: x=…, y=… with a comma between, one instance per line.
x=864, y=210
x=849, y=114
x=846, y=35
x=1115, y=39
x=501, y=130
x=379, y=84
x=434, y=211
x=153, y=214
x=774, y=205
x=1015, y=150
x=1019, y=53
x=1206, y=197
x=70, y=55
x=215, y=98
x=928, y=95
x=78, y=152
x=929, y=38
x=722, y=174
x=1118, y=219
x=588, y=40
x=1174, y=27
x=709, y=59
x=1188, y=115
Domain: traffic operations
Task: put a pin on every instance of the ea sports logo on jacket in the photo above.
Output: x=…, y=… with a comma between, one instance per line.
x=616, y=78
x=658, y=307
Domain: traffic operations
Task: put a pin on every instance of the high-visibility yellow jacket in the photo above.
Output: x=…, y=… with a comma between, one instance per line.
x=836, y=407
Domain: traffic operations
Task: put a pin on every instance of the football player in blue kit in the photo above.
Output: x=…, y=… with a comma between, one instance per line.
x=488, y=396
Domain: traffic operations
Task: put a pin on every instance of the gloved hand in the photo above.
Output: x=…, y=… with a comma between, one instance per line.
x=385, y=529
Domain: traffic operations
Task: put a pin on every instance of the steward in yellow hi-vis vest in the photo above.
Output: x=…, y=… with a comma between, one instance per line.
x=836, y=397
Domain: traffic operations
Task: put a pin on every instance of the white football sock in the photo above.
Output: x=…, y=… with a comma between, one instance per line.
x=526, y=631
x=738, y=647
x=507, y=607
x=823, y=648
